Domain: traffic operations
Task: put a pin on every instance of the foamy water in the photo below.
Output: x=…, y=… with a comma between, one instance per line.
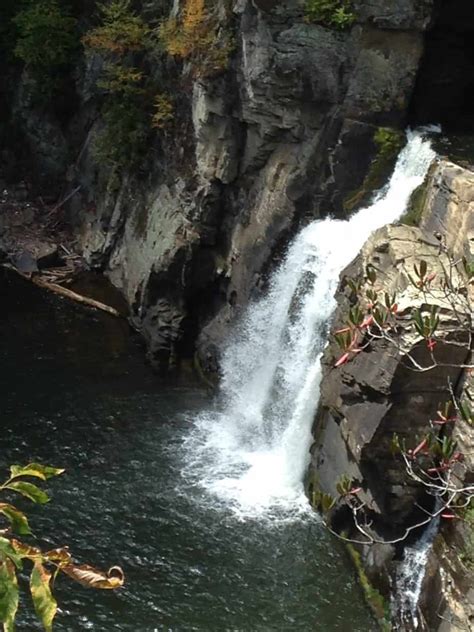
x=251, y=451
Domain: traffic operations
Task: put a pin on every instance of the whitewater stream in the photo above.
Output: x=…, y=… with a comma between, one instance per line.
x=200, y=501
x=252, y=453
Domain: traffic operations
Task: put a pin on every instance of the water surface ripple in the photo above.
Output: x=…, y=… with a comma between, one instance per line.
x=76, y=394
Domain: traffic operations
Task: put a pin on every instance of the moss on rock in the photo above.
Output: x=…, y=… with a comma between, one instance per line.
x=388, y=142
x=416, y=205
x=375, y=600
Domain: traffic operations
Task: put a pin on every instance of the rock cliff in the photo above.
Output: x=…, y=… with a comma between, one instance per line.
x=378, y=394
x=285, y=133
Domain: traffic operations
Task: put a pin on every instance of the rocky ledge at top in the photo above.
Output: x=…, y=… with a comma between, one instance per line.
x=377, y=394
x=284, y=135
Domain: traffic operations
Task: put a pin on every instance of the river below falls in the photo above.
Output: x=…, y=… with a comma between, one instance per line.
x=77, y=394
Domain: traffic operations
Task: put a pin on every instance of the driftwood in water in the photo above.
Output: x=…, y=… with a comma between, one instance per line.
x=66, y=292
x=74, y=296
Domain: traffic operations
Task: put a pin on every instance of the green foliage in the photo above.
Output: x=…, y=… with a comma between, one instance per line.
x=43, y=600
x=322, y=502
x=467, y=554
x=121, y=31
x=131, y=106
x=467, y=413
x=468, y=265
x=121, y=81
x=335, y=14
x=416, y=205
x=163, y=111
x=426, y=325
x=9, y=594
x=8, y=10
x=44, y=565
x=122, y=141
x=120, y=34
x=388, y=141
x=46, y=38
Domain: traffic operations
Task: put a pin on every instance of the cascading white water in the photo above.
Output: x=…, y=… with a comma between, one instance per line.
x=409, y=579
x=252, y=453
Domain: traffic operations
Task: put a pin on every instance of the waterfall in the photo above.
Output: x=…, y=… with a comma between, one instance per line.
x=409, y=578
x=251, y=451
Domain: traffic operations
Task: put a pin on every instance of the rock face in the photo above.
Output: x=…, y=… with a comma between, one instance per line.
x=377, y=394
x=283, y=135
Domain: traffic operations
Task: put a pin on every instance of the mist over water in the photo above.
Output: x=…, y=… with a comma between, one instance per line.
x=251, y=450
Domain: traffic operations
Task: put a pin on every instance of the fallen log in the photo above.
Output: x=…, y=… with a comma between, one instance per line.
x=66, y=292
x=74, y=296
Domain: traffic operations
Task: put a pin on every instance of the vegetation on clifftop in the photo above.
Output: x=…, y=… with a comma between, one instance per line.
x=46, y=37
x=120, y=37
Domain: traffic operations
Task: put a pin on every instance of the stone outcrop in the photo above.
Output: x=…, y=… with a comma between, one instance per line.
x=378, y=394
x=280, y=137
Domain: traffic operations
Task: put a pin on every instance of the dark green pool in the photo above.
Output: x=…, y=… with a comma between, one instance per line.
x=76, y=394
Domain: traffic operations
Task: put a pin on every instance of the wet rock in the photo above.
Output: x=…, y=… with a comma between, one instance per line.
x=25, y=262
x=366, y=401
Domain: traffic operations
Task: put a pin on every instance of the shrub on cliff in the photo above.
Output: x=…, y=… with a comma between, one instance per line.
x=122, y=38
x=336, y=14
x=419, y=334
x=46, y=38
x=121, y=31
x=197, y=36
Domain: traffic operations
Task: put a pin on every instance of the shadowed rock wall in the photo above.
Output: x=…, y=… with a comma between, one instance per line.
x=284, y=135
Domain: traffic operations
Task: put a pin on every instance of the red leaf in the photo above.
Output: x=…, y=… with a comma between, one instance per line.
x=368, y=320
x=420, y=447
x=342, y=360
x=431, y=344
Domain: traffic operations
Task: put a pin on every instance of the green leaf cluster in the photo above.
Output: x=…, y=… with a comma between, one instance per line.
x=44, y=565
x=389, y=141
x=335, y=14
x=426, y=325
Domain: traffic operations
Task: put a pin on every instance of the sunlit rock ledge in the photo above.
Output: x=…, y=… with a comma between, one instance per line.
x=364, y=402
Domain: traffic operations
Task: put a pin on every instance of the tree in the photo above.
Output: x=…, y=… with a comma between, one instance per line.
x=44, y=566
x=132, y=106
x=198, y=37
x=46, y=37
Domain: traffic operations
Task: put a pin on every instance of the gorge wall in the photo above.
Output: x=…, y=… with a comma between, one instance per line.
x=284, y=134
x=380, y=394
